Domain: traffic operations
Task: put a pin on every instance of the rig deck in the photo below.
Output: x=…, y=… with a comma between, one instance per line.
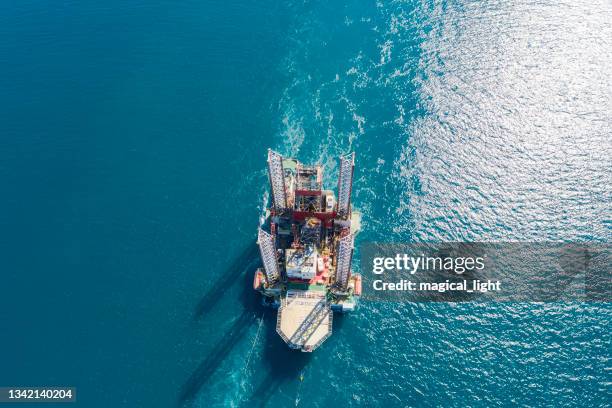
x=304, y=319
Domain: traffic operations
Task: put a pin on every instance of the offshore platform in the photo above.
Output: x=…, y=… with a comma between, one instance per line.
x=306, y=247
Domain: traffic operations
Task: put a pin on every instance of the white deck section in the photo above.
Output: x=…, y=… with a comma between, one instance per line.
x=301, y=263
x=304, y=319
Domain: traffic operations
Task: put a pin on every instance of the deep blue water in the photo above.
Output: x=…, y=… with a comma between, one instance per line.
x=133, y=138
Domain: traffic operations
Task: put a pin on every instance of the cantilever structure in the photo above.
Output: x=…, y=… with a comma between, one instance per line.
x=306, y=247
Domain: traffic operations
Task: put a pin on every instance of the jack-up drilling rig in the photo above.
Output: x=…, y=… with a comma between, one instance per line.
x=306, y=247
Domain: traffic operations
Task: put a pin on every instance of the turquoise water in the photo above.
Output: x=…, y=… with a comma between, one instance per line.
x=133, y=138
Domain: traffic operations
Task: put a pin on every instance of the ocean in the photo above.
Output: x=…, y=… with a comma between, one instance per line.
x=133, y=140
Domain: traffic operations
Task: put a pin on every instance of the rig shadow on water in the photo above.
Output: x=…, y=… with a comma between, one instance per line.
x=239, y=272
x=243, y=266
x=284, y=365
x=215, y=357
